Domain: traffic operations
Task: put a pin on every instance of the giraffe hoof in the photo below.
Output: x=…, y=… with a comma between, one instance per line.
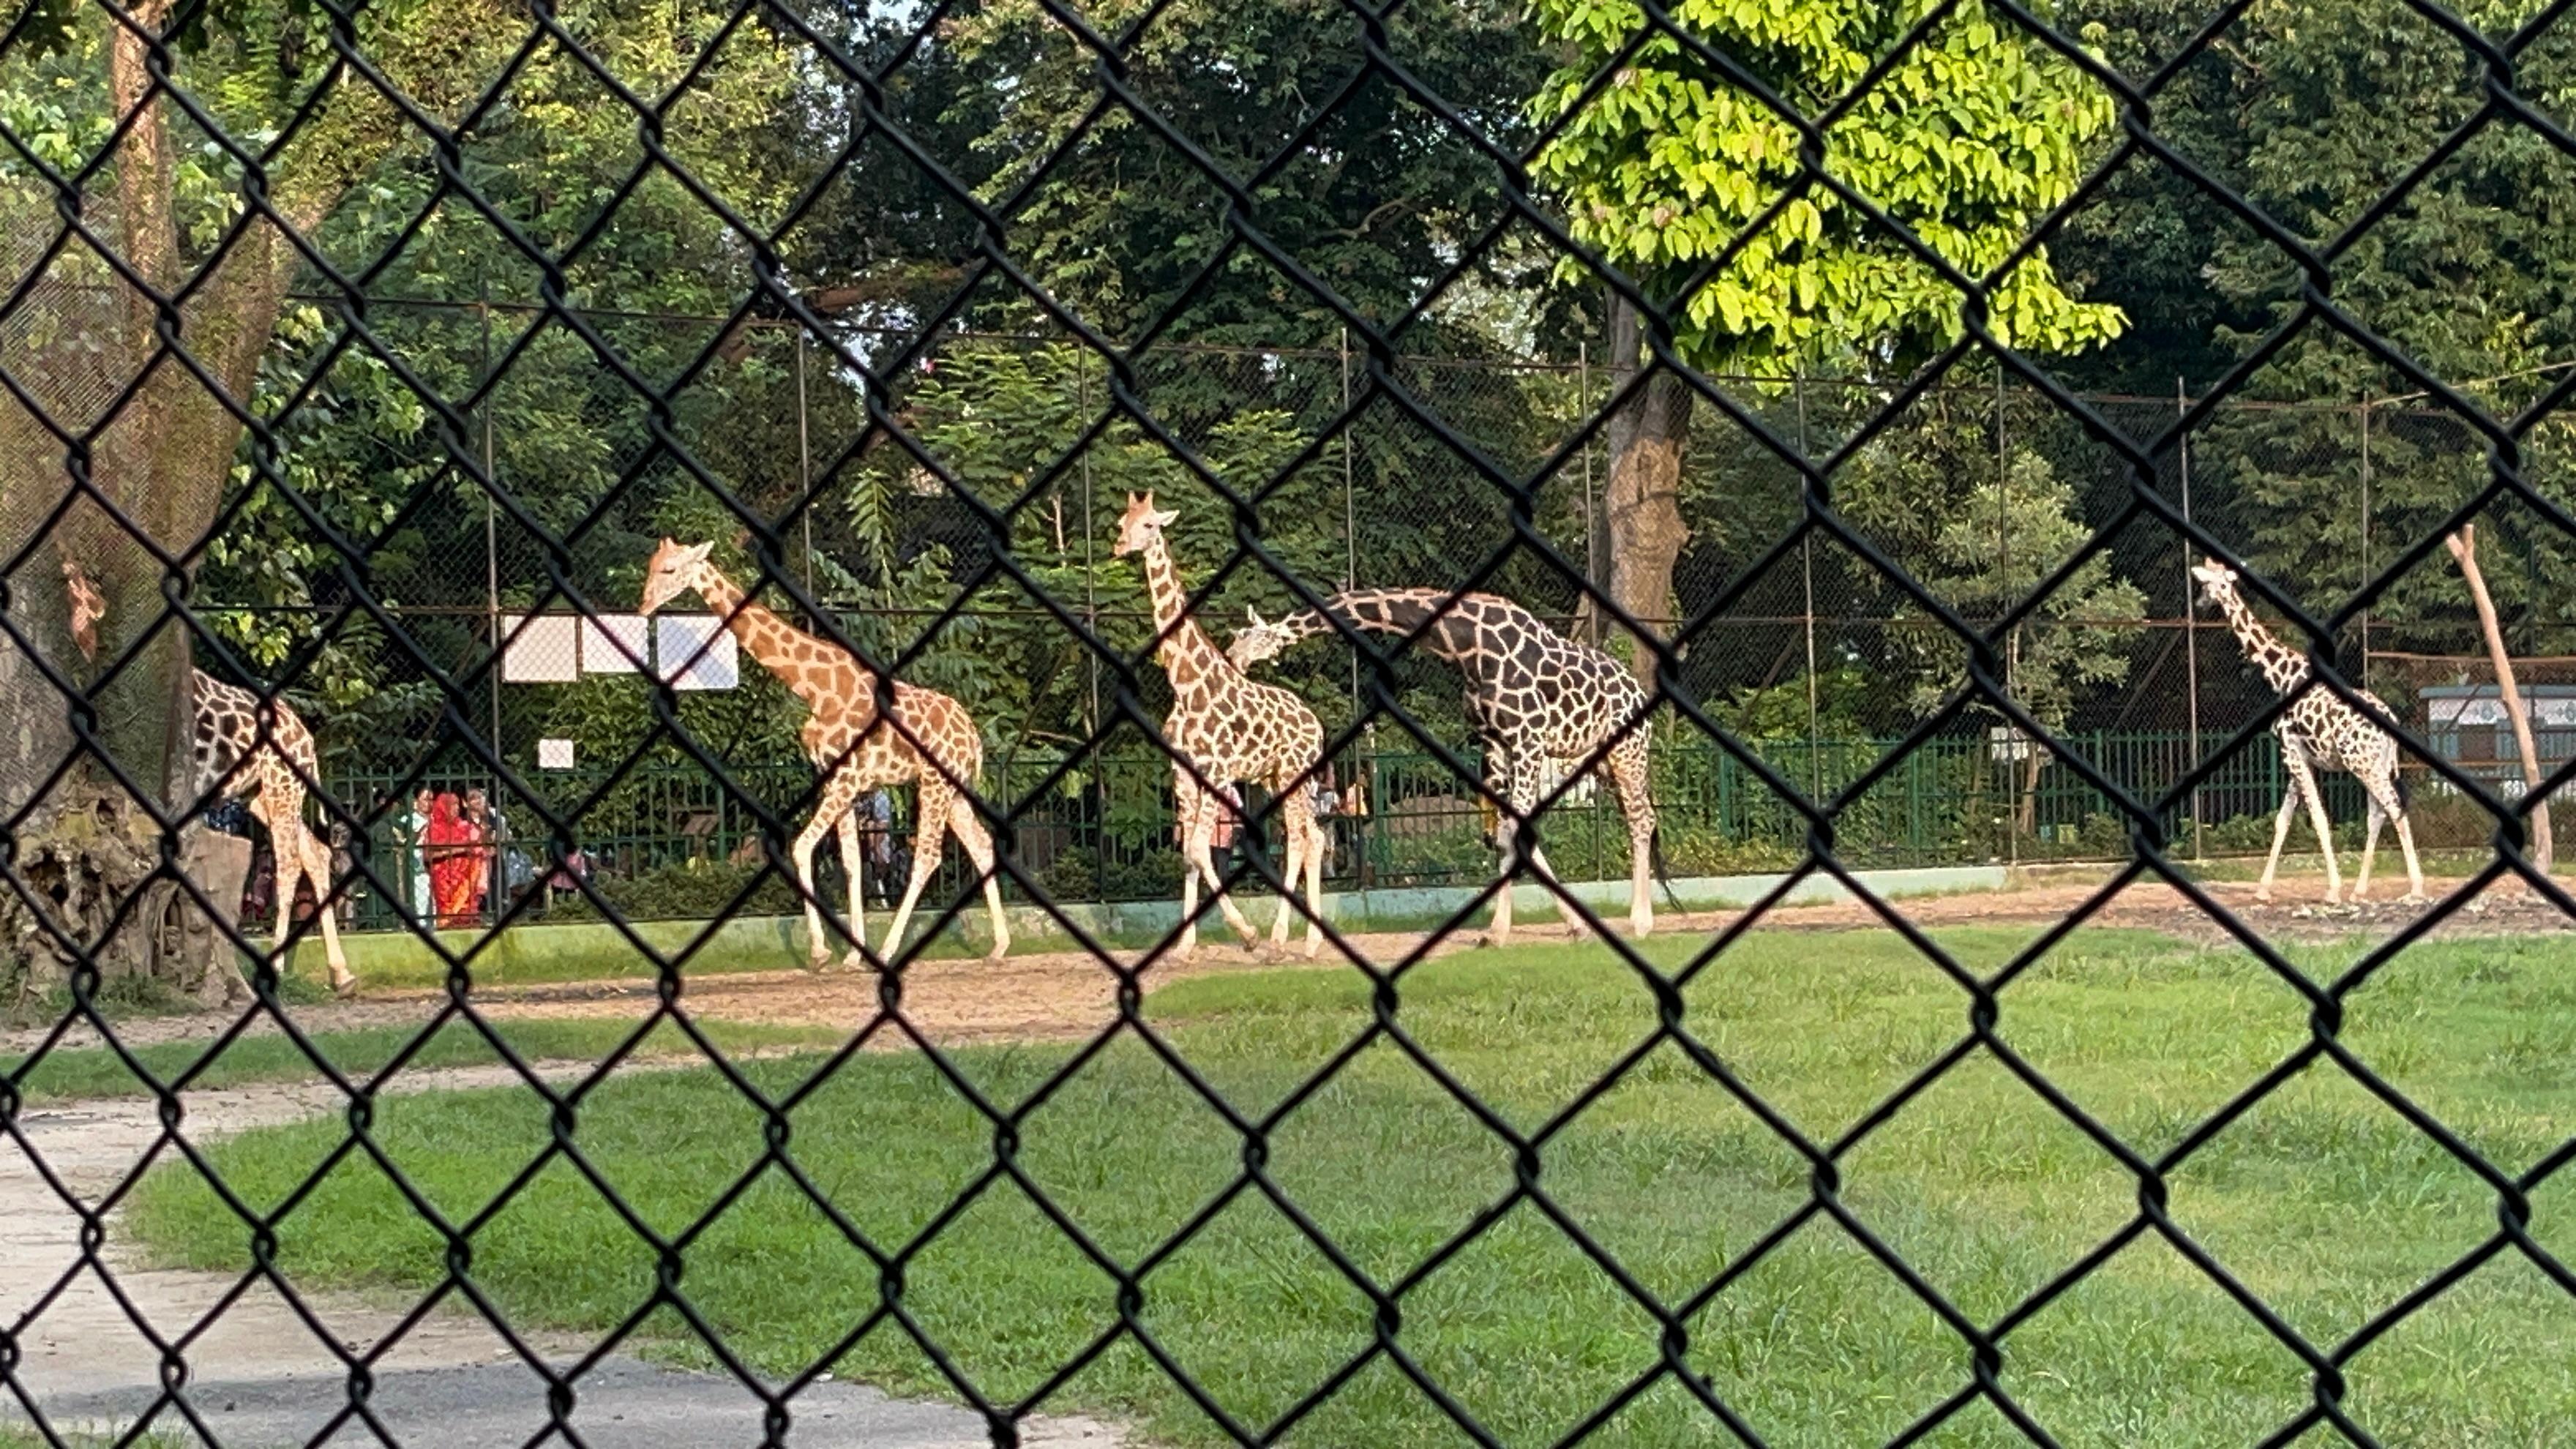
x=856, y=960
x=345, y=987
x=1001, y=951
x=2414, y=898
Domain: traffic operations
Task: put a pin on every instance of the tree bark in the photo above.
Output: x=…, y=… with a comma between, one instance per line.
x=1642, y=500
x=2464, y=550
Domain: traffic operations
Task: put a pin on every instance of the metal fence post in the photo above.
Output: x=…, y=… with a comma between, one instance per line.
x=2190, y=625
x=2365, y=536
x=1807, y=568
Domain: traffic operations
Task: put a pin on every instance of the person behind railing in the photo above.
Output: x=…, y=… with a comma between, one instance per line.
x=876, y=845
x=411, y=856
x=572, y=869
x=455, y=865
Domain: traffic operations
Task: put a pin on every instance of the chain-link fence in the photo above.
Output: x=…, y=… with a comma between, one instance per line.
x=592, y=499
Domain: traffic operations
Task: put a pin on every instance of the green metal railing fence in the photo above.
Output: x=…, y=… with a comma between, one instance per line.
x=668, y=841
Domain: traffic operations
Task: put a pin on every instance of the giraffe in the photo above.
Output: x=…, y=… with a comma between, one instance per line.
x=1228, y=729
x=1543, y=706
x=2320, y=732
x=856, y=748
x=241, y=743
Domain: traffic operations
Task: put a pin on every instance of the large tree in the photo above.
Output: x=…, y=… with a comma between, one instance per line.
x=1976, y=131
x=161, y=352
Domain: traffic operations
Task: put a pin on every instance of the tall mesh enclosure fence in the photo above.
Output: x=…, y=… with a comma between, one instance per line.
x=715, y=571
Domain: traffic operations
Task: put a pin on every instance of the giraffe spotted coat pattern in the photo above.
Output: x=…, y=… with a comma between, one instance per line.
x=1542, y=705
x=1226, y=729
x=930, y=743
x=242, y=744
x=2320, y=731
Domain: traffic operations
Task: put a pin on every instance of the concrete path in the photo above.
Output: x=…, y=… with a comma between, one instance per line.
x=261, y=1378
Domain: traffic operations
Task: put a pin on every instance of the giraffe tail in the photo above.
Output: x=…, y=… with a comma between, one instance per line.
x=1663, y=871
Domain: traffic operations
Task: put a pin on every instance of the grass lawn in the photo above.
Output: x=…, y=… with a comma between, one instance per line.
x=99, y=1072
x=2320, y=1199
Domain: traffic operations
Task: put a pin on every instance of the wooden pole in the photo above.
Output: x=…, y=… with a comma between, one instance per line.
x=2464, y=549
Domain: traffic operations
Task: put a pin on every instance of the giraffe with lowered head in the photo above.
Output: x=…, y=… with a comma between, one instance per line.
x=1541, y=704
x=2320, y=731
x=931, y=744
x=1228, y=728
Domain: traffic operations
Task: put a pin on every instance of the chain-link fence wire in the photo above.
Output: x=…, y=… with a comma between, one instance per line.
x=878, y=506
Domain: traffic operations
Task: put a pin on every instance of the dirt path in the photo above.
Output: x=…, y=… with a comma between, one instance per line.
x=1055, y=996
x=260, y=1375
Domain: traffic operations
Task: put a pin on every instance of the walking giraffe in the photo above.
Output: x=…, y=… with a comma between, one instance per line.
x=2320, y=731
x=1228, y=729
x=242, y=744
x=856, y=747
x=1541, y=704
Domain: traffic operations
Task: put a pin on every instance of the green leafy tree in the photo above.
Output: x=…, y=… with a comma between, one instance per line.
x=1990, y=550
x=1974, y=133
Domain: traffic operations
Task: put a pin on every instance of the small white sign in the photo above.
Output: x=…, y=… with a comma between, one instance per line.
x=554, y=754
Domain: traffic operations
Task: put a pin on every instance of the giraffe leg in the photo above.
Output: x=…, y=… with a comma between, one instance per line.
x=1292, y=867
x=1205, y=840
x=836, y=802
x=1314, y=885
x=979, y=849
x=847, y=830
x=2369, y=844
x=930, y=812
x=1521, y=800
x=1200, y=863
x=2303, y=776
x=2384, y=801
x=2280, y=834
x=1186, y=813
x=1629, y=765
x=317, y=865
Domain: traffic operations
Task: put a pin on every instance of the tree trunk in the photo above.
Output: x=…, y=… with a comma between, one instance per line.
x=1642, y=500
x=158, y=467
x=2464, y=550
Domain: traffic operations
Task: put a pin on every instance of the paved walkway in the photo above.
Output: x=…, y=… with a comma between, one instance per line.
x=261, y=1378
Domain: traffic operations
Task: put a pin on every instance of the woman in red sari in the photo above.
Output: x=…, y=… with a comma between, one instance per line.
x=452, y=862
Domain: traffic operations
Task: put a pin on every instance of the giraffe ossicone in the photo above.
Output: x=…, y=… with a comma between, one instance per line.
x=930, y=742
x=2319, y=731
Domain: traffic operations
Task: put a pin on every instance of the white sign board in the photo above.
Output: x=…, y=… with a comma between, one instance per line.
x=554, y=754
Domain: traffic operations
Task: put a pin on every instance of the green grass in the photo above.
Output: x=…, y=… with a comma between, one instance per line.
x=2320, y=1199
x=98, y=1072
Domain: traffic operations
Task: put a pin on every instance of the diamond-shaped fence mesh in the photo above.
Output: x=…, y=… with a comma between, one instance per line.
x=718, y=569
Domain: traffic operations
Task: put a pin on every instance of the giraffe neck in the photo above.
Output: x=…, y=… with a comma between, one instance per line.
x=1186, y=650
x=778, y=644
x=1394, y=611
x=2282, y=666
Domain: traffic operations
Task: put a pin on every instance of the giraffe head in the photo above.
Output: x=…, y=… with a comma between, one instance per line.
x=1257, y=641
x=1141, y=524
x=2215, y=577
x=672, y=572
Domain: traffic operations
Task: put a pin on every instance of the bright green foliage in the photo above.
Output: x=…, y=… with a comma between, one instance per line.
x=1970, y=137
